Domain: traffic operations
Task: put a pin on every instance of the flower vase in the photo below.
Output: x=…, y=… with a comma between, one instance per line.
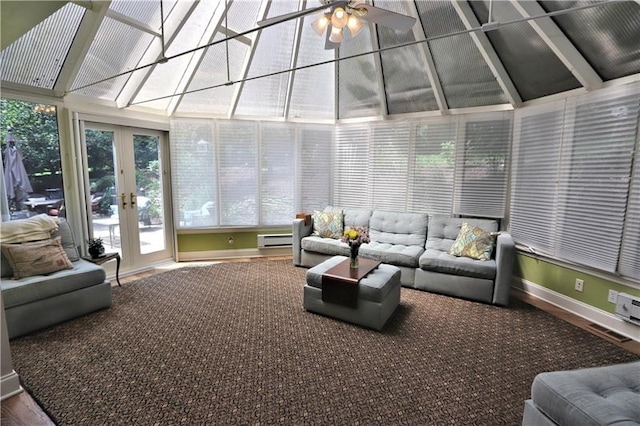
x=353, y=258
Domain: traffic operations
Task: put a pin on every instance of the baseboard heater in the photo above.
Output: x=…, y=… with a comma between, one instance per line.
x=274, y=240
x=628, y=308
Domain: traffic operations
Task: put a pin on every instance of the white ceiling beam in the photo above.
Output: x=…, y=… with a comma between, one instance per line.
x=173, y=24
x=262, y=14
x=559, y=44
x=425, y=51
x=87, y=31
x=377, y=59
x=196, y=57
x=294, y=59
x=487, y=51
x=124, y=19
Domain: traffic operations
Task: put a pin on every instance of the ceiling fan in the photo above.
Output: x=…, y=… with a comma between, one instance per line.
x=343, y=19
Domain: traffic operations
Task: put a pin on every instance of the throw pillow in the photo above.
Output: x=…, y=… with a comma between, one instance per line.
x=473, y=242
x=328, y=224
x=36, y=258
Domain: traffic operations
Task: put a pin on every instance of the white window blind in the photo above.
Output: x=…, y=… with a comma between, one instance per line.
x=389, y=161
x=277, y=153
x=194, y=182
x=599, y=139
x=352, y=167
x=238, y=173
x=482, y=164
x=536, y=158
x=433, y=166
x=315, y=169
x=630, y=255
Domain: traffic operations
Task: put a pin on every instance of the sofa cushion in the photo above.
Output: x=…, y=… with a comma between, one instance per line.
x=600, y=395
x=36, y=258
x=441, y=261
x=67, y=240
x=356, y=217
x=324, y=245
x=393, y=254
x=327, y=224
x=473, y=242
x=443, y=230
x=39, y=287
x=409, y=229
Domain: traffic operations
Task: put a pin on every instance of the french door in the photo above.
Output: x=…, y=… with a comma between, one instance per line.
x=127, y=192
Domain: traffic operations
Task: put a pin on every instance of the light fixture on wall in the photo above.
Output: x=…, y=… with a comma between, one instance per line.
x=339, y=19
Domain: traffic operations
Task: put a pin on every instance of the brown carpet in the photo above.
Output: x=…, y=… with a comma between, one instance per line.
x=231, y=344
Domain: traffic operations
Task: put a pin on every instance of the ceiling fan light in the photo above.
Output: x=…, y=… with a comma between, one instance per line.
x=339, y=18
x=355, y=25
x=320, y=24
x=336, y=35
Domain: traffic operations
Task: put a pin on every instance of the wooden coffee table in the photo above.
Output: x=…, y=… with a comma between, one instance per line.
x=340, y=283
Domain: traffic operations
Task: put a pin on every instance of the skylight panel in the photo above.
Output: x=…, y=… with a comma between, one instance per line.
x=116, y=48
x=358, y=91
x=35, y=59
x=213, y=72
x=147, y=12
x=606, y=35
x=267, y=95
x=533, y=67
x=313, y=94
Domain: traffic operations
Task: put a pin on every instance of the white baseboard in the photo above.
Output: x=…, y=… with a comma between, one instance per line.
x=9, y=385
x=588, y=312
x=232, y=254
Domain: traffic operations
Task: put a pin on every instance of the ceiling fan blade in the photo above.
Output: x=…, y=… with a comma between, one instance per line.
x=298, y=14
x=385, y=17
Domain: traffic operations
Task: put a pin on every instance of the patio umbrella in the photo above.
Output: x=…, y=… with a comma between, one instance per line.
x=16, y=180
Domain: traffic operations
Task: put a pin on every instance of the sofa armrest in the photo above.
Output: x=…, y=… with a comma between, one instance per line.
x=505, y=252
x=299, y=231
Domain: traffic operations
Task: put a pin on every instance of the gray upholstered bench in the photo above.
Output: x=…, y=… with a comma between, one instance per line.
x=591, y=396
x=378, y=295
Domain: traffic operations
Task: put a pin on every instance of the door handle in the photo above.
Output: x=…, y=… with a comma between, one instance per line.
x=122, y=198
x=132, y=197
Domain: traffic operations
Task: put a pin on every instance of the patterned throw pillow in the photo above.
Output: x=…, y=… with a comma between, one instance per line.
x=328, y=224
x=473, y=242
x=36, y=258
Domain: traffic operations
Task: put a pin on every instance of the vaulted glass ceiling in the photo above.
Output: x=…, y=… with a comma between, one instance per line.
x=459, y=54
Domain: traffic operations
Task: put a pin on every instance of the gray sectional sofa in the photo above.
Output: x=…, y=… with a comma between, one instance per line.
x=40, y=301
x=418, y=245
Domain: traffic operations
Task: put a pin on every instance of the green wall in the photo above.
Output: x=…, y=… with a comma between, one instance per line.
x=562, y=280
x=220, y=240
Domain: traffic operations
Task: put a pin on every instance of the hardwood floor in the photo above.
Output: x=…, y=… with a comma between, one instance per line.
x=22, y=410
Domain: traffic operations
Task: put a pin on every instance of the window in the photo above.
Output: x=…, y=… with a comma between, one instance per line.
x=575, y=194
x=422, y=166
x=482, y=159
x=277, y=154
x=243, y=173
x=32, y=178
x=433, y=167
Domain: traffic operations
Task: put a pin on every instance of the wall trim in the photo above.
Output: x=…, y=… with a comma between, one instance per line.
x=186, y=256
x=588, y=312
x=10, y=385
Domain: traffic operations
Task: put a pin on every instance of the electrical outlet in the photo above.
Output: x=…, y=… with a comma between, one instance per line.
x=579, y=285
x=231, y=240
x=613, y=296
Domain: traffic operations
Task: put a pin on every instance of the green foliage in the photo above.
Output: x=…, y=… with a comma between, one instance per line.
x=104, y=206
x=105, y=183
x=38, y=140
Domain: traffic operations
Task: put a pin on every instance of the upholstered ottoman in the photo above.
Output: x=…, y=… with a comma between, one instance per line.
x=378, y=295
x=592, y=396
